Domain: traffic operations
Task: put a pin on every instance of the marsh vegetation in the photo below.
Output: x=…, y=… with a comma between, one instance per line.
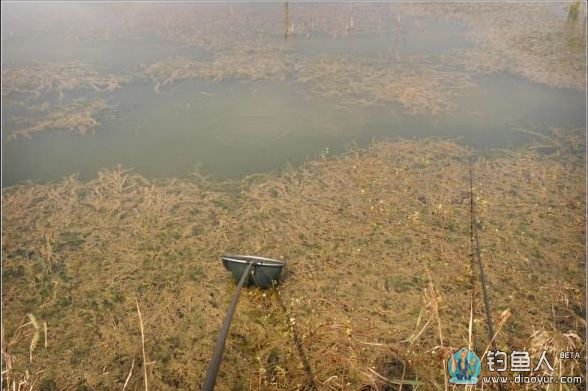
x=379, y=276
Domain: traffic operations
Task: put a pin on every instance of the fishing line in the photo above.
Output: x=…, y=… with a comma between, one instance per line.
x=477, y=257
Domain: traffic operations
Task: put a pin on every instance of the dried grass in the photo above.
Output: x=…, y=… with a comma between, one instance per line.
x=248, y=63
x=358, y=232
x=35, y=80
x=79, y=117
x=414, y=83
x=142, y=348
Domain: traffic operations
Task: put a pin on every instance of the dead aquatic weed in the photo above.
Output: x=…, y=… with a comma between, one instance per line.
x=414, y=82
x=79, y=117
x=356, y=309
x=34, y=86
x=23, y=381
x=32, y=81
x=568, y=143
x=554, y=342
x=247, y=64
x=526, y=39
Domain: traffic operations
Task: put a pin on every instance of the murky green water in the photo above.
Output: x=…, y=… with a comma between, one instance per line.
x=232, y=128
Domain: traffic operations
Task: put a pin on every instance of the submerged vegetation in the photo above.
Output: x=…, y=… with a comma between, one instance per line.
x=521, y=38
x=79, y=117
x=416, y=84
x=244, y=64
x=245, y=45
x=378, y=284
x=41, y=91
x=32, y=81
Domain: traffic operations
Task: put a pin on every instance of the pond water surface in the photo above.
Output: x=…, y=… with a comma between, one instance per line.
x=234, y=127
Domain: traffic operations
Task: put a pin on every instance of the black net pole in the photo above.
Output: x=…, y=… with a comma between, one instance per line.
x=222, y=337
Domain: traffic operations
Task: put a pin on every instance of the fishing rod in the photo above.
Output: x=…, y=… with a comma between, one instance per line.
x=219, y=348
x=477, y=257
